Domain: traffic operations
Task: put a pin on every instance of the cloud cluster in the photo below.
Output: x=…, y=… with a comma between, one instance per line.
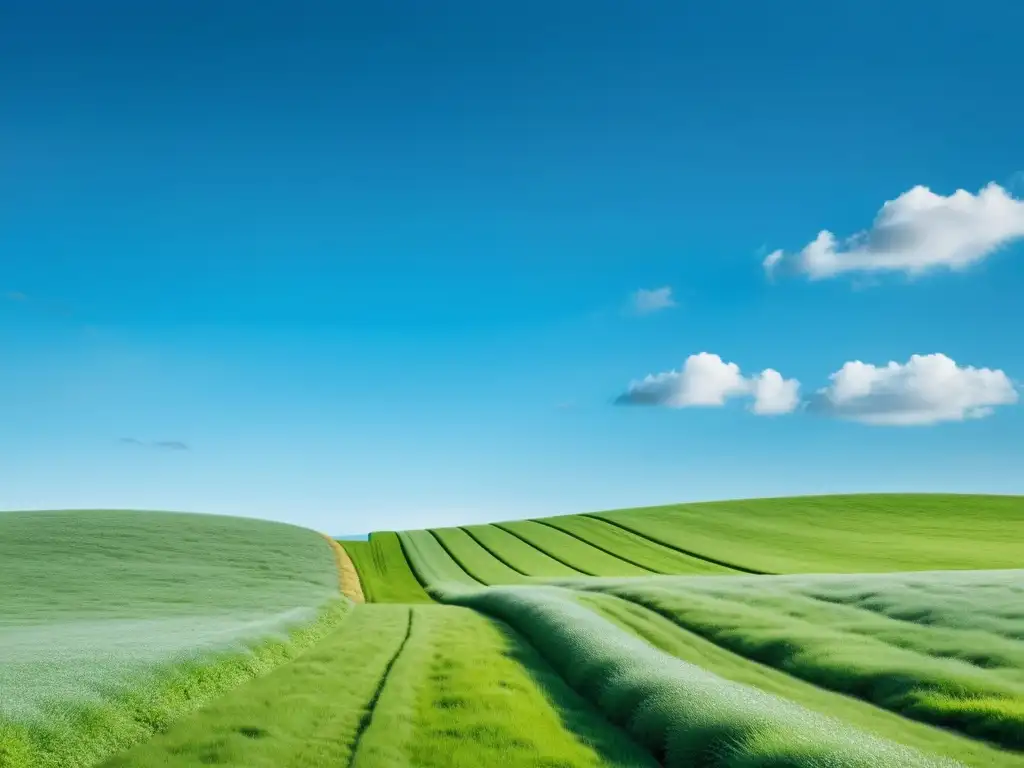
x=645, y=302
x=927, y=389
x=705, y=380
x=917, y=232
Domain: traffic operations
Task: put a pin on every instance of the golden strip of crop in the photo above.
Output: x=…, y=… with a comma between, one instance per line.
x=348, y=578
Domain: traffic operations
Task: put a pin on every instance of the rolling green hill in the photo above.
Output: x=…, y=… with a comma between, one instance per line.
x=110, y=621
x=658, y=636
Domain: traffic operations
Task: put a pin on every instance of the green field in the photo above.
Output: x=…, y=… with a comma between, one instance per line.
x=111, y=622
x=629, y=638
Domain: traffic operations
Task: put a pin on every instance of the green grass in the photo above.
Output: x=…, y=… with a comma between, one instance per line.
x=398, y=686
x=945, y=648
x=475, y=560
x=630, y=547
x=849, y=534
x=431, y=562
x=517, y=554
x=576, y=554
x=683, y=714
x=111, y=623
x=669, y=637
x=383, y=570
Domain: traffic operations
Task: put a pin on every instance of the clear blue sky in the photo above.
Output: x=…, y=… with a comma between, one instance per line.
x=372, y=262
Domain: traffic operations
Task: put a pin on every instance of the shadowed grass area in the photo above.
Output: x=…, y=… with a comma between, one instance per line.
x=384, y=573
x=397, y=686
x=114, y=622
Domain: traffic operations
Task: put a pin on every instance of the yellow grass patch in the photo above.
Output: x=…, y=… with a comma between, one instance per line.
x=348, y=579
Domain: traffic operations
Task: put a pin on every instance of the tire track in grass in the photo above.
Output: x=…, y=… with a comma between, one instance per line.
x=367, y=719
x=677, y=548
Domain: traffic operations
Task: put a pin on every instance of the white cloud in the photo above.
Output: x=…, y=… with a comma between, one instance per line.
x=774, y=394
x=917, y=232
x=925, y=390
x=705, y=380
x=644, y=301
x=771, y=261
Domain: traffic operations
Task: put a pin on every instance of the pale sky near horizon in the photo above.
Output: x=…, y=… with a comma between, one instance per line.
x=391, y=265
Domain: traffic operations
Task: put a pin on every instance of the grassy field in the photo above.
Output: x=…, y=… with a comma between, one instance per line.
x=841, y=534
x=574, y=552
x=628, y=546
x=383, y=571
x=396, y=686
x=943, y=647
x=683, y=714
x=112, y=623
x=475, y=560
x=626, y=638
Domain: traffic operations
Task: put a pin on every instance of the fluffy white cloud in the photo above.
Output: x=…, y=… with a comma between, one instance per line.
x=916, y=232
x=644, y=301
x=707, y=380
x=925, y=390
x=774, y=394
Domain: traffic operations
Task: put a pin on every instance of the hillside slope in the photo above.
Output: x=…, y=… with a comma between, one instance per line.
x=110, y=621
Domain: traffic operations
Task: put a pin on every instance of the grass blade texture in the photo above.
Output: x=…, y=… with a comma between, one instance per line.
x=113, y=623
x=684, y=714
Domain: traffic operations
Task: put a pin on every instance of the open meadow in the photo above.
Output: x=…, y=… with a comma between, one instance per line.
x=851, y=632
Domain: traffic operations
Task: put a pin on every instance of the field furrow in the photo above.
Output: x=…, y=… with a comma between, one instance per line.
x=572, y=551
x=517, y=554
x=631, y=547
x=841, y=534
x=475, y=560
x=431, y=562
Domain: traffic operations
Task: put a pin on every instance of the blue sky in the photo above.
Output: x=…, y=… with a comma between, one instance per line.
x=372, y=263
